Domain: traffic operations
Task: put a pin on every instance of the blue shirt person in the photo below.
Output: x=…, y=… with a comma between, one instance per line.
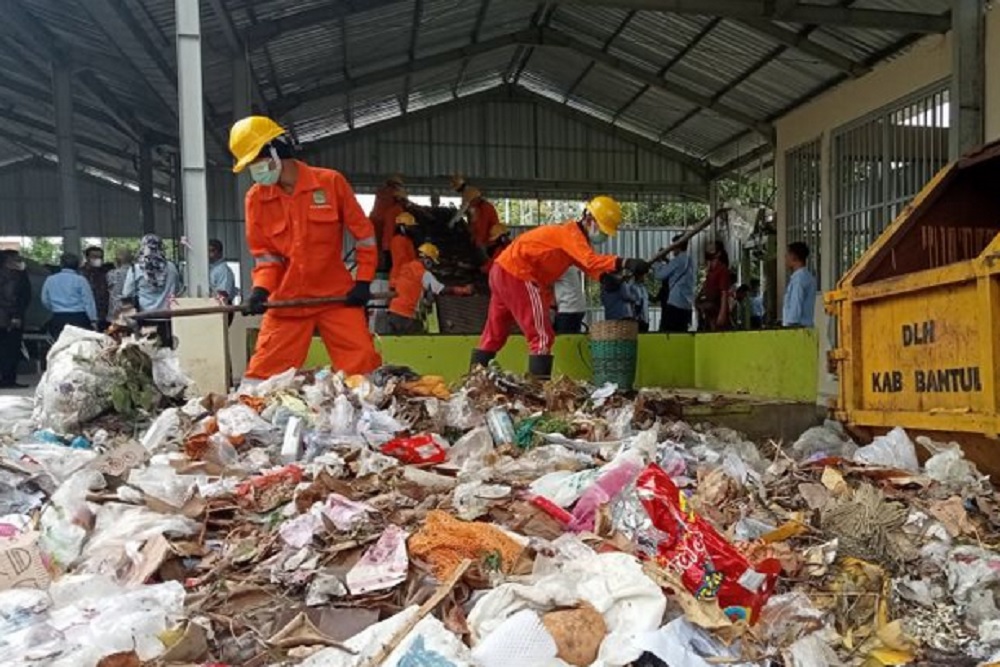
x=679, y=274
x=221, y=280
x=67, y=295
x=154, y=281
x=800, y=294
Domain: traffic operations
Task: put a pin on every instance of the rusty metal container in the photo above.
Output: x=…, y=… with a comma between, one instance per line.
x=918, y=317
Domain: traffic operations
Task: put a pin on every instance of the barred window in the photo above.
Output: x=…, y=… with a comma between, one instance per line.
x=803, y=200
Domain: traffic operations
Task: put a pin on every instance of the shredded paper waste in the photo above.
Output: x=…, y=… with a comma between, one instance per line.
x=331, y=521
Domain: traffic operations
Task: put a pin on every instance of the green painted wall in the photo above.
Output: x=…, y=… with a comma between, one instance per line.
x=771, y=364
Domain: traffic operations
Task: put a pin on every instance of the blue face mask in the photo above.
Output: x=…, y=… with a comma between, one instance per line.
x=264, y=173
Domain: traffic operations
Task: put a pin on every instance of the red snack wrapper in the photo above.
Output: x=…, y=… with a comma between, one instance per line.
x=709, y=566
x=290, y=474
x=417, y=450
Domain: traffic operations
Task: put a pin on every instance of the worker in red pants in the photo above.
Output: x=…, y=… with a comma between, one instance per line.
x=296, y=216
x=522, y=277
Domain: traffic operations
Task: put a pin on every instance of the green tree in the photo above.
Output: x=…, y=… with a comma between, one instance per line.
x=42, y=250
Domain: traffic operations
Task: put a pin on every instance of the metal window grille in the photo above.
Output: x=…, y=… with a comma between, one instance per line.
x=880, y=163
x=803, y=196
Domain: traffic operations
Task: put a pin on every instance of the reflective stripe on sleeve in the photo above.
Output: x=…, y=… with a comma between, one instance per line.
x=268, y=259
x=367, y=242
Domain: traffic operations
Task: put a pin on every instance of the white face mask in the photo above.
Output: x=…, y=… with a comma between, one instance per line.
x=266, y=172
x=97, y=263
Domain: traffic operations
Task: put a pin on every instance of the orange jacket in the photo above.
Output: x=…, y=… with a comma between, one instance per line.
x=402, y=251
x=297, y=240
x=543, y=254
x=482, y=215
x=383, y=215
x=409, y=288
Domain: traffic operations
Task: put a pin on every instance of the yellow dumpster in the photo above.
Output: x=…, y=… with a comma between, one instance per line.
x=918, y=317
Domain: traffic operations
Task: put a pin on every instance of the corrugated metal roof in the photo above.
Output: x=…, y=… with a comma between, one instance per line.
x=744, y=72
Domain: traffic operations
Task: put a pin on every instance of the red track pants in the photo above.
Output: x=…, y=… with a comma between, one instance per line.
x=514, y=300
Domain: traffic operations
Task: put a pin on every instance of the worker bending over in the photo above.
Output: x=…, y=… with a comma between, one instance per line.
x=413, y=285
x=296, y=216
x=402, y=248
x=482, y=217
x=390, y=201
x=522, y=277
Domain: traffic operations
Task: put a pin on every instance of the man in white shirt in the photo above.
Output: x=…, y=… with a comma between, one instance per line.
x=571, y=302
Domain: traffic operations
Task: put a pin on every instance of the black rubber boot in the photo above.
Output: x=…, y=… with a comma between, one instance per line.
x=540, y=366
x=481, y=358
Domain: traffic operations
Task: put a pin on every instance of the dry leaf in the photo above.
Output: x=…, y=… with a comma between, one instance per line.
x=124, y=659
x=785, y=531
x=815, y=495
x=834, y=481
x=889, y=657
x=301, y=631
x=192, y=646
x=892, y=635
x=952, y=514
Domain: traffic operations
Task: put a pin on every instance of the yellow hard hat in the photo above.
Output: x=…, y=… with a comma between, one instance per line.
x=457, y=182
x=406, y=219
x=496, y=231
x=607, y=213
x=470, y=194
x=431, y=251
x=248, y=136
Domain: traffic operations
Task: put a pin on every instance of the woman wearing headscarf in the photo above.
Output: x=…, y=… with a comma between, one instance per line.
x=153, y=282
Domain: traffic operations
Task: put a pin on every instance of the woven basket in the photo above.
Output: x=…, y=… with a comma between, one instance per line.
x=614, y=349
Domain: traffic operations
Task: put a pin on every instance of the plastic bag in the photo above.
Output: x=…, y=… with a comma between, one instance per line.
x=168, y=376
x=15, y=415
x=472, y=500
x=62, y=522
x=119, y=530
x=823, y=441
x=342, y=420
x=76, y=386
x=893, y=450
x=678, y=540
x=614, y=477
x=241, y=420
x=164, y=433
x=384, y=565
x=162, y=482
x=950, y=468
x=416, y=450
x=681, y=642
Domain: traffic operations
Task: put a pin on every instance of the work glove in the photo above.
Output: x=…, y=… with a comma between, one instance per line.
x=635, y=266
x=360, y=294
x=611, y=282
x=256, y=304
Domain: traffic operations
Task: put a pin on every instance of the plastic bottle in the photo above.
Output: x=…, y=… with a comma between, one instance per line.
x=501, y=426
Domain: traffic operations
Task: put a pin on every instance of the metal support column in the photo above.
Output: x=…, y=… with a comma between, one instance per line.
x=242, y=109
x=146, y=201
x=192, y=130
x=69, y=195
x=968, y=77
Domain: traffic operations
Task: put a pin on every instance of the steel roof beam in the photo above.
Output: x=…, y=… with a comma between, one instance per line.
x=273, y=27
x=912, y=22
x=532, y=38
x=801, y=42
x=653, y=80
x=418, y=8
x=476, y=31
x=236, y=46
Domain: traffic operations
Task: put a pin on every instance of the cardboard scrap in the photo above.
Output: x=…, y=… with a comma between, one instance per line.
x=151, y=558
x=121, y=459
x=952, y=514
x=301, y=631
x=21, y=563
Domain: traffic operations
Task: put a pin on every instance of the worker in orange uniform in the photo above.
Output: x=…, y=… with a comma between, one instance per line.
x=390, y=201
x=413, y=283
x=522, y=277
x=402, y=246
x=296, y=216
x=498, y=241
x=482, y=218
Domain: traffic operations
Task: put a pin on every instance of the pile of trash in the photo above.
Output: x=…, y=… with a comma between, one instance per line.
x=330, y=521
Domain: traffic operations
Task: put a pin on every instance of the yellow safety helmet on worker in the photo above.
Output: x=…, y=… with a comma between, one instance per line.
x=406, y=219
x=606, y=214
x=496, y=231
x=248, y=138
x=430, y=251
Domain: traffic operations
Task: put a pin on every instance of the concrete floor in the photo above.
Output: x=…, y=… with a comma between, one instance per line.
x=30, y=380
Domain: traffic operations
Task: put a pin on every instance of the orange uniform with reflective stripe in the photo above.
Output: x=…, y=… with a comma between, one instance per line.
x=383, y=215
x=409, y=288
x=402, y=252
x=542, y=255
x=297, y=241
x=483, y=216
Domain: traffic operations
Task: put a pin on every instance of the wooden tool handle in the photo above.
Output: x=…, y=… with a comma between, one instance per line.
x=223, y=310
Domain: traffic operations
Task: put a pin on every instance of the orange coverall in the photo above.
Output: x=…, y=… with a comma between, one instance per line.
x=409, y=288
x=383, y=216
x=297, y=244
x=402, y=252
x=482, y=216
x=521, y=283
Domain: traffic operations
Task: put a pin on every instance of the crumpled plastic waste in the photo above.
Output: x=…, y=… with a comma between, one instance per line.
x=384, y=565
x=893, y=450
x=76, y=385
